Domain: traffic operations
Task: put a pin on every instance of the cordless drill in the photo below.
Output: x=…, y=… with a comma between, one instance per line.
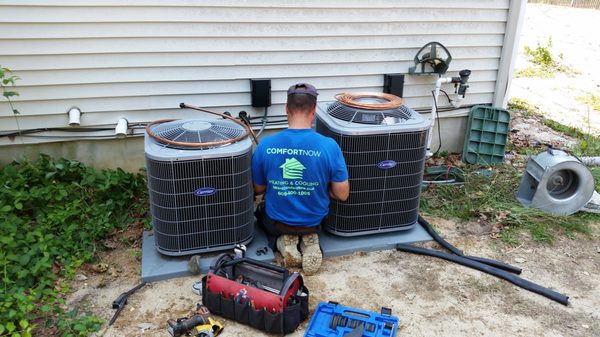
x=200, y=319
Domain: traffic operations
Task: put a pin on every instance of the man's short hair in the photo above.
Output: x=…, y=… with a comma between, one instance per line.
x=301, y=97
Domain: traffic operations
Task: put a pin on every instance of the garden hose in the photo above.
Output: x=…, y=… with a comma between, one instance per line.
x=443, y=174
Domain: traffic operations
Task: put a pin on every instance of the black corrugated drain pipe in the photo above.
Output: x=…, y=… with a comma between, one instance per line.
x=485, y=265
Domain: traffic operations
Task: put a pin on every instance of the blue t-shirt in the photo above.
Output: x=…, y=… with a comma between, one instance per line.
x=297, y=166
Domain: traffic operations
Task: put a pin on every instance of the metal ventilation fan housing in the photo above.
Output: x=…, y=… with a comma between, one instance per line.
x=201, y=198
x=385, y=155
x=555, y=182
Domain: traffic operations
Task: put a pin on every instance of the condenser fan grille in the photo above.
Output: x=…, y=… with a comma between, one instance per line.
x=376, y=117
x=193, y=132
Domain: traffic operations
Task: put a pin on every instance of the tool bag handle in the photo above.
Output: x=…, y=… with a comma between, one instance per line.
x=223, y=262
x=290, y=282
x=219, y=261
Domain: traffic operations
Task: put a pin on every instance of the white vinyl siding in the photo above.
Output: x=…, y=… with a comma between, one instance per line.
x=139, y=59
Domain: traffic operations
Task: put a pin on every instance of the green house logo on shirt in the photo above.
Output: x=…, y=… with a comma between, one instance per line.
x=292, y=169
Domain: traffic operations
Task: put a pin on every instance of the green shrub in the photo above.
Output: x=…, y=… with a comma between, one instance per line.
x=51, y=213
x=541, y=55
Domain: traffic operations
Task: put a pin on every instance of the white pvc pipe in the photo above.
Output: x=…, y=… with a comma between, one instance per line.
x=457, y=102
x=434, y=115
x=121, y=128
x=74, y=116
x=588, y=161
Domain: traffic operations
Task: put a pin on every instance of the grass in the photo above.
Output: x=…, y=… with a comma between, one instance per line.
x=489, y=195
x=483, y=287
x=590, y=99
x=587, y=144
x=535, y=72
x=522, y=107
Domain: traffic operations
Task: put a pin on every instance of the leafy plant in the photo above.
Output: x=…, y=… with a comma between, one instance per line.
x=541, y=55
x=545, y=64
x=7, y=81
x=51, y=214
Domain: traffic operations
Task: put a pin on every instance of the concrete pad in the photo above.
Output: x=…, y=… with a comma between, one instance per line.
x=333, y=245
x=158, y=267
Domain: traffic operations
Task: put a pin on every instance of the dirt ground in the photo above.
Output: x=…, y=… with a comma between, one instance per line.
x=430, y=296
x=571, y=32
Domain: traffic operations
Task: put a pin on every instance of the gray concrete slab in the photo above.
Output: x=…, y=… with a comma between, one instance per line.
x=158, y=267
x=333, y=245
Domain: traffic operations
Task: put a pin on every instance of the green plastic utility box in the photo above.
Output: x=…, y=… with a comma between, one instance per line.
x=487, y=131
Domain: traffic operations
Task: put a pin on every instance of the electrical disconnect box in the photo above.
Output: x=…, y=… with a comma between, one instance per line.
x=260, y=90
x=393, y=84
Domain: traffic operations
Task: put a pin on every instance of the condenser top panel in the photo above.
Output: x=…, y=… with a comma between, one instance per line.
x=353, y=121
x=195, y=131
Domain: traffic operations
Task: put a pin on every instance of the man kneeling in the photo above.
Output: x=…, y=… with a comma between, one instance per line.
x=298, y=170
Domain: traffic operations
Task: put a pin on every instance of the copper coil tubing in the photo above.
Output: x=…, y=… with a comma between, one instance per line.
x=247, y=130
x=352, y=99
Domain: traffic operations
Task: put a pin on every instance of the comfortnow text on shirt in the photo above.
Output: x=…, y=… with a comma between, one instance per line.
x=293, y=152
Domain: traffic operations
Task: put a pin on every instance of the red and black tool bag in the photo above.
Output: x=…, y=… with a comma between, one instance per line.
x=263, y=295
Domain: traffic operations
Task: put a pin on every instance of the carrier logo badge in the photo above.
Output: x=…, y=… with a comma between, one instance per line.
x=292, y=169
x=386, y=164
x=205, y=191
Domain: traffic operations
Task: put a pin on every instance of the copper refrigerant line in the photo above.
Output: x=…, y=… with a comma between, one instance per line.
x=350, y=99
x=354, y=100
x=247, y=130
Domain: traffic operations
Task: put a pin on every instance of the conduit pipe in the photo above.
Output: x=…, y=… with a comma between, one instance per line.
x=522, y=283
x=588, y=161
x=497, y=264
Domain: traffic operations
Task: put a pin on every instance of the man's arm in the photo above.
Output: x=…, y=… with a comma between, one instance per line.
x=259, y=189
x=339, y=191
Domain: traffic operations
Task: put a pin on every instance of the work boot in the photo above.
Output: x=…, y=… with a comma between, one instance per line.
x=194, y=265
x=311, y=253
x=287, y=245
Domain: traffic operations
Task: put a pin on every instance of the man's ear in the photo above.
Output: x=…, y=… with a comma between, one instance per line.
x=287, y=112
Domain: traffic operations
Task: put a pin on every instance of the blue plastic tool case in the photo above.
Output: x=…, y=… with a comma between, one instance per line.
x=334, y=320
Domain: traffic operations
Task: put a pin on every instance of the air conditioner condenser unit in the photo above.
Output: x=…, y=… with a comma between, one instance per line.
x=385, y=155
x=201, y=198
